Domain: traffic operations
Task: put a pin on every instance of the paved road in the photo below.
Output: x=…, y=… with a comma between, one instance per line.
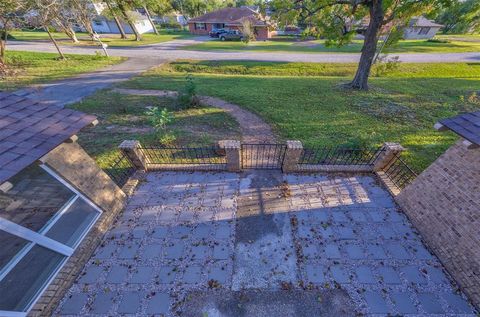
x=73, y=89
x=142, y=58
x=172, y=50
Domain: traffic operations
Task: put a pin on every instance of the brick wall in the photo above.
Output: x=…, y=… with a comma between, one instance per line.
x=74, y=165
x=444, y=205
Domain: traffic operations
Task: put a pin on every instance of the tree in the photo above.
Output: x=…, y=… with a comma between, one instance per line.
x=126, y=8
x=159, y=7
x=460, y=17
x=113, y=12
x=10, y=12
x=84, y=13
x=65, y=20
x=46, y=11
x=338, y=21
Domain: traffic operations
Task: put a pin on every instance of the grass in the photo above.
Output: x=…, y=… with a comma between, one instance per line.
x=123, y=117
x=112, y=40
x=306, y=101
x=318, y=46
x=35, y=68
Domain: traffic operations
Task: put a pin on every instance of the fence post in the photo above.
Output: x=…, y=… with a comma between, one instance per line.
x=232, y=152
x=388, y=151
x=293, y=153
x=131, y=148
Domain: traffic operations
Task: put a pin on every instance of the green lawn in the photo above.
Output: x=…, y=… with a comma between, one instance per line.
x=307, y=102
x=122, y=117
x=34, y=68
x=318, y=46
x=110, y=39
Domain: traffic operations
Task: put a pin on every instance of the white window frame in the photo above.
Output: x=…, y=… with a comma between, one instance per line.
x=41, y=239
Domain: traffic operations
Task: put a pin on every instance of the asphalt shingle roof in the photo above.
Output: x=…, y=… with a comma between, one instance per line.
x=230, y=16
x=30, y=129
x=466, y=125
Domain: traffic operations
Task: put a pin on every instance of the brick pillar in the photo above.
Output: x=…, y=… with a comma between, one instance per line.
x=388, y=152
x=131, y=148
x=232, y=152
x=292, y=156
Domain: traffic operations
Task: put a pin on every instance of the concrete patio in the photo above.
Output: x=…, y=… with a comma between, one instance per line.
x=262, y=243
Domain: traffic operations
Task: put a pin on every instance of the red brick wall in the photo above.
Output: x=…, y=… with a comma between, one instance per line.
x=262, y=32
x=191, y=28
x=444, y=205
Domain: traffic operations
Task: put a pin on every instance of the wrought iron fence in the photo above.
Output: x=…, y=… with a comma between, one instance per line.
x=120, y=168
x=339, y=156
x=263, y=156
x=399, y=172
x=159, y=157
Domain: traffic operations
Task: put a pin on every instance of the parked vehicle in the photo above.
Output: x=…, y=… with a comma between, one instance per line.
x=233, y=35
x=216, y=32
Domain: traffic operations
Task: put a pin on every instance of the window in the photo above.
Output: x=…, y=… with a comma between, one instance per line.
x=200, y=26
x=42, y=221
x=424, y=30
x=217, y=26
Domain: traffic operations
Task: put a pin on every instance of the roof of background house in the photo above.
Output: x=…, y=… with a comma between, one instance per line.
x=421, y=21
x=466, y=125
x=30, y=129
x=230, y=16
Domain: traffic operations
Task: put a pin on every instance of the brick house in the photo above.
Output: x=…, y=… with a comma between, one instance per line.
x=230, y=18
x=55, y=203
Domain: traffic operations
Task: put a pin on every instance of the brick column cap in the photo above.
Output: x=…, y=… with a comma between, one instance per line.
x=129, y=144
x=393, y=146
x=294, y=144
x=229, y=144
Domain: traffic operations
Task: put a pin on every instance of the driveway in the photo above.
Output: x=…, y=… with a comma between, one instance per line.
x=172, y=50
x=259, y=244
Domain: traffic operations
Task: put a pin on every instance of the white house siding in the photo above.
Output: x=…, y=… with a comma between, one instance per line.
x=109, y=26
x=418, y=33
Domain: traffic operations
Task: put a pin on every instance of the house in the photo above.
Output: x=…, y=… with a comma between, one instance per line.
x=230, y=18
x=102, y=24
x=421, y=28
x=54, y=202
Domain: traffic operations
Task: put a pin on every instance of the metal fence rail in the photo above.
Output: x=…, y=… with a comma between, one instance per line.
x=399, y=172
x=262, y=156
x=120, y=168
x=339, y=156
x=158, y=157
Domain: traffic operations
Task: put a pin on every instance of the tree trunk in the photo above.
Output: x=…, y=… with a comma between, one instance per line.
x=68, y=30
x=150, y=19
x=3, y=44
x=130, y=22
x=360, y=81
x=123, y=36
x=54, y=42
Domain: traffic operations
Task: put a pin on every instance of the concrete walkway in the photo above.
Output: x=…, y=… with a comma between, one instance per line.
x=73, y=89
x=172, y=51
x=252, y=127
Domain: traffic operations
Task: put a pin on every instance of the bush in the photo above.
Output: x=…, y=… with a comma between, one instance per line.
x=187, y=98
x=248, y=31
x=386, y=65
x=434, y=40
x=159, y=118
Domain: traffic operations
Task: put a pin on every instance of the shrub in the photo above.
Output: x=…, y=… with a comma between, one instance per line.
x=386, y=65
x=248, y=31
x=159, y=118
x=435, y=40
x=187, y=98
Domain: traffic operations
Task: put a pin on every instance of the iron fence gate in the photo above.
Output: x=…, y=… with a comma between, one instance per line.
x=263, y=156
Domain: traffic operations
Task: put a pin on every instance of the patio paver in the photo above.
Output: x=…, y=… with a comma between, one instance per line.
x=335, y=244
